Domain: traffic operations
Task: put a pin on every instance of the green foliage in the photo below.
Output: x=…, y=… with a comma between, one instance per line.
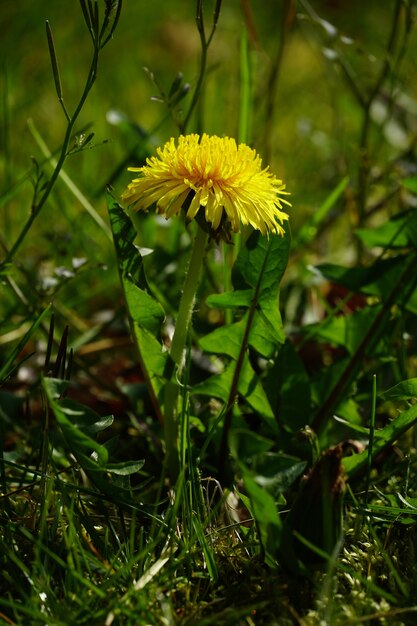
x=261, y=505
x=145, y=313
x=256, y=279
x=289, y=401
x=404, y=390
x=383, y=438
x=398, y=232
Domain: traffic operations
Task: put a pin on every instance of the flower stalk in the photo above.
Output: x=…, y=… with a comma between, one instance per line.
x=179, y=340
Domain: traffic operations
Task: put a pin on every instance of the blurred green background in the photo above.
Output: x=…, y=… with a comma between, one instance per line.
x=312, y=142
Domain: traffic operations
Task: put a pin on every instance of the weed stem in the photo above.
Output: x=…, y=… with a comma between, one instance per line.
x=178, y=346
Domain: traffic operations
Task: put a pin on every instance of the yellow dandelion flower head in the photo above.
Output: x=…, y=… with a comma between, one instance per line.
x=214, y=175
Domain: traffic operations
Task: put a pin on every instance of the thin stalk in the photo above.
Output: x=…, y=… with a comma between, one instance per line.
x=92, y=74
x=409, y=278
x=364, y=165
x=245, y=100
x=236, y=375
x=178, y=347
x=197, y=90
x=185, y=455
x=371, y=440
x=67, y=180
x=205, y=44
x=187, y=298
x=228, y=260
x=288, y=15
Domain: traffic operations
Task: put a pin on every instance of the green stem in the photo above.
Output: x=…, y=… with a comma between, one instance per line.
x=205, y=44
x=245, y=100
x=228, y=260
x=228, y=414
x=371, y=440
x=60, y=162
x=177, y=350
x=196, y=95
x=364, y=148
x=288, y=15
x=187, y=298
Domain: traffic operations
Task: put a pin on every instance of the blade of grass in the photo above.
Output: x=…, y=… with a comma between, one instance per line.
x=309, y=231
x=371, y=439
x=245, y=100
x=368, y=584
x=67, y=180
x=207, y=549
x=7, y=367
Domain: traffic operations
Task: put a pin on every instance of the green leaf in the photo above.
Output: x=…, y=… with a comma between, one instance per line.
x=126, y=468
x=85, y=419
x=224, y=340
x=265, y=337
x=383, y=438
x=276, y=472
x=399, y=232
x=261, y=265
x=144, y=309
x=399, y=291
x=230, y=299
x=316, y=513
x=263, y=509
x=410, y=183
x=326, y=379
x=249, y=387
x=247, y=443
x=344, y=330
x=228, y=339
x=92, y=456
x=405, y=390
x=66, y=414
x=309, y=231
x=145, y=312
x=287, y=386
x=352, y=425
x=256, y=277
x=377, y=280
x=349, y=410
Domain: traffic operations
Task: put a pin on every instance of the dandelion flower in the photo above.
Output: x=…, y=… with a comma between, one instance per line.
x=223, y=181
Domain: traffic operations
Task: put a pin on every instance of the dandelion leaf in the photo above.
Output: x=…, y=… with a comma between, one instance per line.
x=249, y=387
x=145, y=312
x=379, y=279
x=399, y=232
x=383, y=438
